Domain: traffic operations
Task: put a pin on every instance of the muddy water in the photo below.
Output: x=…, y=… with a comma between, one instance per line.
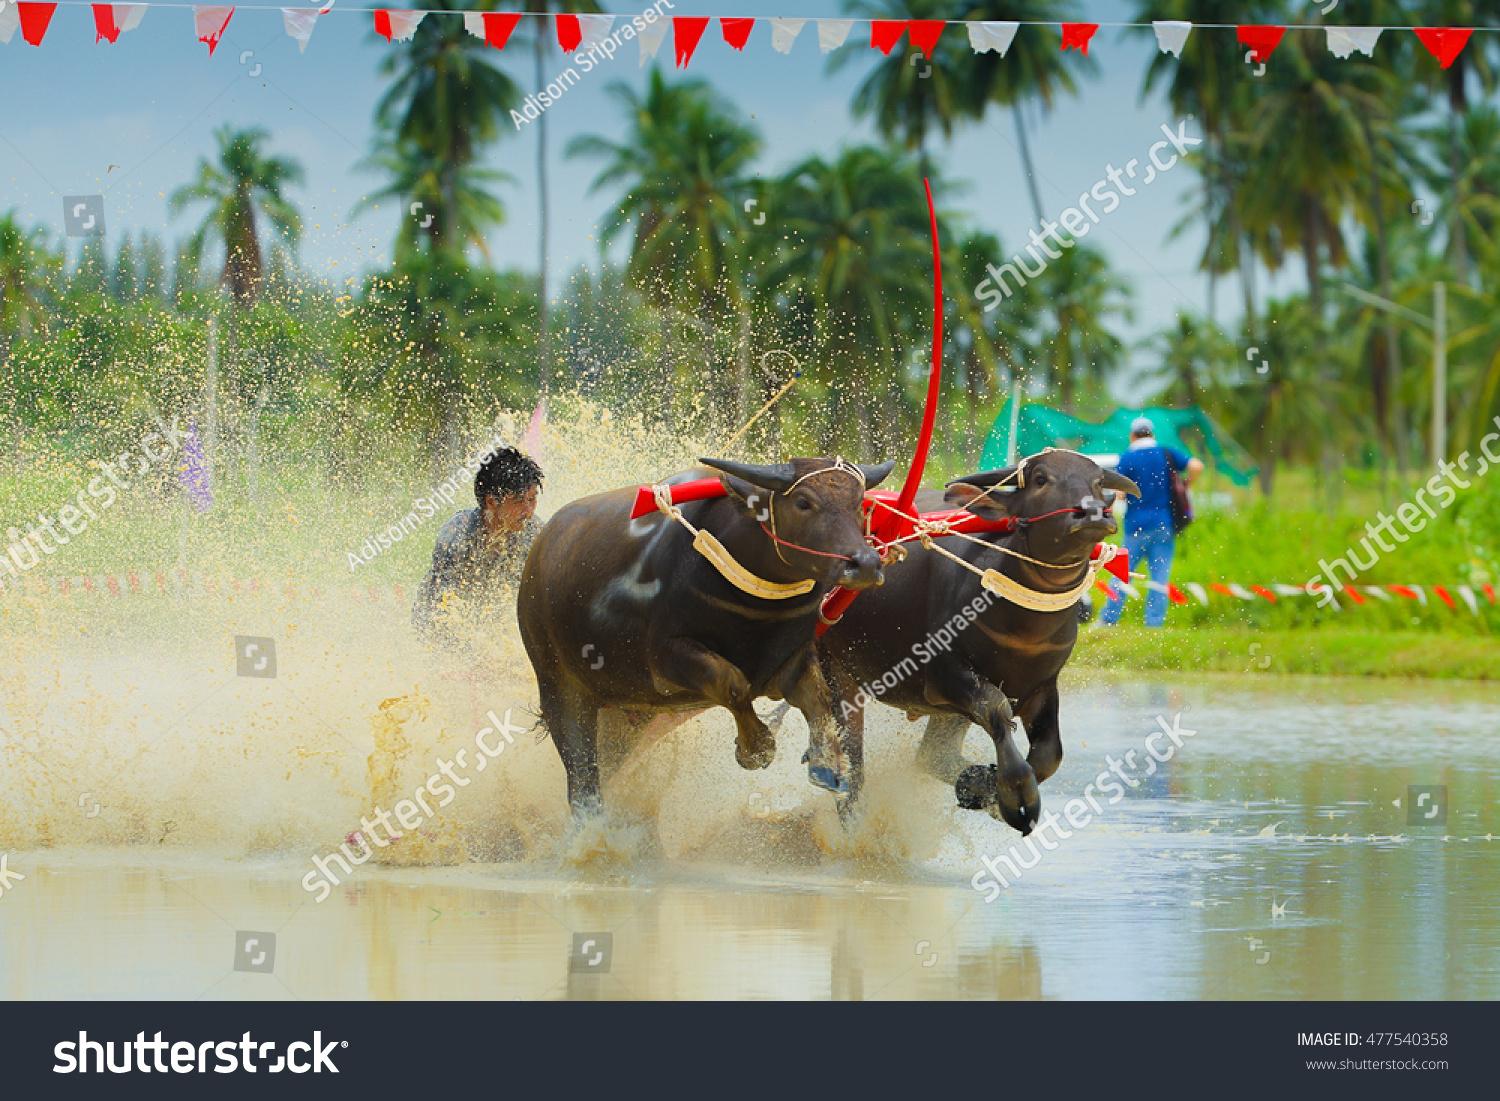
x=158, y=805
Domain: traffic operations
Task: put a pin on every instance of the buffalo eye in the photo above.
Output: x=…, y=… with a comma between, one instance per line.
x=803, y=504
x=1039, y=480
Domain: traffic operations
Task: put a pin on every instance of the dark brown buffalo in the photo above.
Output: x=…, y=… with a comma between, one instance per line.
x=1000, y=663
x=627, y=614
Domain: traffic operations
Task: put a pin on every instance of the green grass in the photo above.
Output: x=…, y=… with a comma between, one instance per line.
x=1350, y=653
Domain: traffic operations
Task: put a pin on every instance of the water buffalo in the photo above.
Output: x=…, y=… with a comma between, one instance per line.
x=933, y=642
x=625, y=613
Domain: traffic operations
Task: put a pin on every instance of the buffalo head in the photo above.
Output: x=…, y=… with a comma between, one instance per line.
x=815, y=507
x=1067, y=497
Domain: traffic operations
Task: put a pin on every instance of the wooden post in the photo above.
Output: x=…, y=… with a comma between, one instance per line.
x=1439, y=374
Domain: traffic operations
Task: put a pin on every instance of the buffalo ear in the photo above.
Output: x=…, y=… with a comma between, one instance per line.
x=874, y=475
x=1113, y=479
x=978, y=500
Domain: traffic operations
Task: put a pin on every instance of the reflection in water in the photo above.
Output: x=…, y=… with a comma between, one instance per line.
x=1271, y=857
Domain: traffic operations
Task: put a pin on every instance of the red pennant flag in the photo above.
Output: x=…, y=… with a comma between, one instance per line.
x=382, y=24
x=1103, y=586
x=1402, y=590
x=1444, y=597
x=1444, y=43
x=687, y=32
x=1216, y=587
x=569, y=33
x=498, y=27
x=925, y=34
x=1076, y=36
x=1261, y=590
x=1262, y=40
x=885, y=33
x=1489, y=592
x=1353, y=594
x=34, y=20
x=1176, y=595
x=104, y=23
x=737, y=31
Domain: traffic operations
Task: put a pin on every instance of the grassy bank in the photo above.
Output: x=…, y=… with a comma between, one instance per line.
x=1327, y=652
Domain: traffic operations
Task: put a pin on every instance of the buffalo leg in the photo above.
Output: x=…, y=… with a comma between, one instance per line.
x=940, y=753
x=571, y=716
x=1014, y=788
x=802, y=684
x=1039, y=714
x=687, y=664
x=850, y=722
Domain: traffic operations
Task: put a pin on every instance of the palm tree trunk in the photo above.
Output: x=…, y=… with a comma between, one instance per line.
x=544, y=333
x=1310, y=232
x=1036, y=199
x=1389, y=416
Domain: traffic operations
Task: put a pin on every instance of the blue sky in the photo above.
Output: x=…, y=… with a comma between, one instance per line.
x=149, y=103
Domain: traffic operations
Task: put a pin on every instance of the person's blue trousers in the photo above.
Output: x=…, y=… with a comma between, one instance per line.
x=1155, y=545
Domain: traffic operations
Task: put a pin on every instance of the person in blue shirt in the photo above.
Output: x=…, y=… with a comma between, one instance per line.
x=1148, y=519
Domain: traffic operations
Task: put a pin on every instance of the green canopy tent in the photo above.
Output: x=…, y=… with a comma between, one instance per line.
x=1038, y=427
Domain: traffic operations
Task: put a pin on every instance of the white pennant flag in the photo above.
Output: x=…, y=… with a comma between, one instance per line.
x=128, y=16
x=210, y=23
x=1171, y=35
x=1468, y=595
x=473, y=23
x=404, y=24
x=984, y=37
x=299, y=24
x=10, y=19
x=1241, y=592
x=1289, y=590
x=1377, y=591
x=595, y=30
x=832, y=32
x=1343, y=41
x=1421, y=594
x=1130, y=590
x=652, y=36
x=1197, y=590
x=784, y=32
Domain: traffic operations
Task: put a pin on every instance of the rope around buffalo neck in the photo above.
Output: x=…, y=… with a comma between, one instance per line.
x=719, y=557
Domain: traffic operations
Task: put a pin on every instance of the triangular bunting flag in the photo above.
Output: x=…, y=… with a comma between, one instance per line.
x=885, y=33
x=1468, y=595
x=687, y=31
x=595, y=30
x=1353, y=594
x=1176, y=595
x=34, y=20
x=1262, y=40
x=397, y=26
x=1343, y=41
x=652, y=36
x=494, y=27
x=210, y=24
x=1444, y=43
x=10, y=19
x=924, y=34
x=531, y=441
x=299, y=23
x=1076, y=36
x=1377, y=591
x=104, y=23
x=1171, y=35
x=128, y=16
x=984, y=37
x=736, y=31
x=1261, y=590
x=1197, y=590
x=1444, y=597
x=832, y=32
x=569, y=33
x=784, y=32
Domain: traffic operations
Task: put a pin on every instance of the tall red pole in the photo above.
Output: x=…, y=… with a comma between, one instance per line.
x=886, y=525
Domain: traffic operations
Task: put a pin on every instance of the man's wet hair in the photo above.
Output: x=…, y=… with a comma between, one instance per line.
x=506, y=473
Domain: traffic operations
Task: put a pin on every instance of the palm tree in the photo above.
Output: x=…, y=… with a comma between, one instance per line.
x=27, y=268
x=458, y=198
x=446, y=104
x=1034, y=68
x=906, y=96
x=243, y=187
x=1083, y=295
x=685, y=163
x=857, y=258
x=545, y=10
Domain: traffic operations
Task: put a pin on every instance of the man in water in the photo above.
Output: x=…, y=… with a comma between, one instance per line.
x=1148, y=520
x=482, y=549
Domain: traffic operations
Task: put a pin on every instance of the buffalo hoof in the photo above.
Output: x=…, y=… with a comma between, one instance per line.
x=822, y=776
x=975, y=788
x=759, y=756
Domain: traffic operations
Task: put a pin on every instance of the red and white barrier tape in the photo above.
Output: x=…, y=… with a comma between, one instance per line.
x=1356, y=594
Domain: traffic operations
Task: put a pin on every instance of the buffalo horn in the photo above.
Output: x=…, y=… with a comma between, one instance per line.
x=874, y=475
x=1113, y=479
x=775, y=478
x=988, y=478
